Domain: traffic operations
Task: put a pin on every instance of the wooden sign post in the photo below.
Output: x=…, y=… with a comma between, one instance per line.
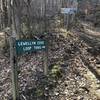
x=13, y=64
x=45, y=61
x=18, y=47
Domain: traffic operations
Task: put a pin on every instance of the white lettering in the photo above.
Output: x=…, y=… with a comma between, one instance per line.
x=40, y=42
x=27, y=48
x=37, y=47
x=33, y=43
x=43, y=47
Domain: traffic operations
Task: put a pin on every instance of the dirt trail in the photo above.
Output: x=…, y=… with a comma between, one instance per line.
x=91, y=36
x=90, y=30
x=74, y=86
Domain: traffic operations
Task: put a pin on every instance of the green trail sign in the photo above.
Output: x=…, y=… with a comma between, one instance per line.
x=24, y=46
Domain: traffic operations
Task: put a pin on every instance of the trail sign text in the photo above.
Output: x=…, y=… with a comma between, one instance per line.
x=23, y=46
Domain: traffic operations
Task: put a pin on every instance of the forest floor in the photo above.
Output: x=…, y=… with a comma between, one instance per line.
x=76, y=55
